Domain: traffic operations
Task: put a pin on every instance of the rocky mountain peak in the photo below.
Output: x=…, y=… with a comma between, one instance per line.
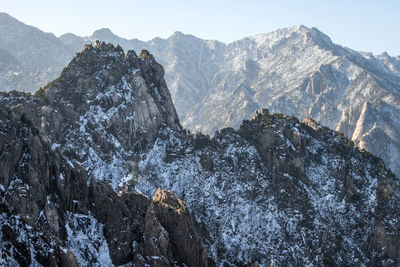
x=314, y=37
x=275, y=191
x=69, y=38
x=181, y=39
x=295, y=36
x=144, y=54
x=103, y=69
x=105, y=93
x=178, y=34
x=301, y=27
x=103, y=34
x=6, y=18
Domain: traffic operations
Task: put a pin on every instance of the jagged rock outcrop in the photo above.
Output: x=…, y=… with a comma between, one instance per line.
x=298, y=188
x=297, y=71
x=51, y=215
x=105, y=106
x=275, y=191
x=108, y=104
x=170, y=235
x=175, y=218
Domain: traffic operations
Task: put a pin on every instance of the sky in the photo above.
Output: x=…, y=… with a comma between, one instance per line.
x=363, y=25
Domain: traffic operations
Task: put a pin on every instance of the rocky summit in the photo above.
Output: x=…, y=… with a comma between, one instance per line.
x=96, y=170
x=296, y=71
x=63, y=149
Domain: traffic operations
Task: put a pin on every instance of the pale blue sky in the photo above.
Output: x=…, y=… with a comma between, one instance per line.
x=361, y=25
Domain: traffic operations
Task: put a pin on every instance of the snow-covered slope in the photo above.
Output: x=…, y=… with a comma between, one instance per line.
x=65, y=150
x=297, y=71
x=273, y=192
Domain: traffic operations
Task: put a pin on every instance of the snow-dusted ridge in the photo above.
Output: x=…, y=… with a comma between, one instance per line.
x=274, y=191
x=295, y=70
x=272, y=194
x=116, y=101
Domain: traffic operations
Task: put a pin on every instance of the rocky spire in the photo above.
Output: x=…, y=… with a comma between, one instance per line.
x=110, y=105
x=55, y=146
x=104, y=70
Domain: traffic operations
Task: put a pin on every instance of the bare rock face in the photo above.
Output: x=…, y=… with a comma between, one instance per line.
x=49, y=207
x=122, y=225
x=156, y=249
x=175, y=217
x=105, y=106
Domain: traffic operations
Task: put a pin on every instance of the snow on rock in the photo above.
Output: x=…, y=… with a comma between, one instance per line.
x=275, y=191
x=297, y=71
x=86, y=240
x=255, y=202
x=112, y=104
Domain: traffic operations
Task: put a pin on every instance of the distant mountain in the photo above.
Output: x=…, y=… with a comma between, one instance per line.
x=37, y=57
x=34, y=49
x=7, y=61
x=296, y=71
x=96, y=170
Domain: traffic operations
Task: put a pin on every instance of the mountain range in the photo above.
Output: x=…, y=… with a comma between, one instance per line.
x=96, y=170
x=296, y=71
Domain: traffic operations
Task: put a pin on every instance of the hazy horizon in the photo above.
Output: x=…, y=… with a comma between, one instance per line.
x=360, y=25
